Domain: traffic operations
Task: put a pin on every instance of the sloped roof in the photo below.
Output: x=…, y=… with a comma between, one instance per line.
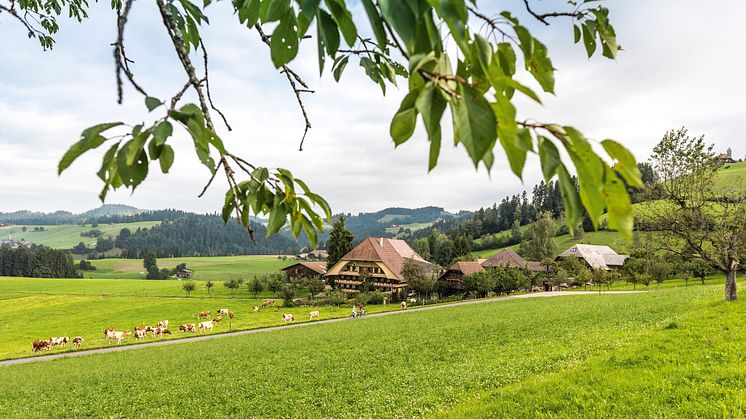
x=467, y=268
x=597, y=257
x=506, y=257
x=318, y=267
x=390, y=252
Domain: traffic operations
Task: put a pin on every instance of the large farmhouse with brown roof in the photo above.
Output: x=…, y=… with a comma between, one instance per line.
x=381, y=259
x=305, y=270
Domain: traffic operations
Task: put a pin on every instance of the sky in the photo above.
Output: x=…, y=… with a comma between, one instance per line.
x=681, y=66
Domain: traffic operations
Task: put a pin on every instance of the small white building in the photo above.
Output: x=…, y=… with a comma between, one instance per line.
x=597, y=257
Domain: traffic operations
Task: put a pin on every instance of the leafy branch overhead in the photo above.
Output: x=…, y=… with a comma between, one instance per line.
x=390, y=40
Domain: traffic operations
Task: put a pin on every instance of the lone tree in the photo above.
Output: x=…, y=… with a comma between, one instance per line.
x=451, y=54
x=188, y=287
x=256, y=285
x=233, y=285
x=538, y=242
x=209, y=284
x=339, y=243
x=151, y=266
x=696, y=219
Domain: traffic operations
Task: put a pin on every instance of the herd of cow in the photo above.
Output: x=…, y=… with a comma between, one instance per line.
x=160, y=329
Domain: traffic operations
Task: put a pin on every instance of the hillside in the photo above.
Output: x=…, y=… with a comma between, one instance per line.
x=110, y=210
x=565, y=241
x=731, y=178
x=66, y=236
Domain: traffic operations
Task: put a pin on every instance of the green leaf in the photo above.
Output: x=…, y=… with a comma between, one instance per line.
x=589, y=37
x=506, y=57
x=431, y=104
x=344, y=20
x=620, y=214
x=540, y=66
x=590, y=169
x=376, y=23
x=152, y=103
x=340, y=67
x=573, y=208
x=132, y=174
x=284, y=41
x=276, y=10
x=475, y=122
x=249, y=12
x=162, y=131
x=549, y=157
x=507, y=131
x=625, y=162
x=135, y=147
x=277, y=216
x=576, y=33
x=90, y=138
x=166, y=158
x=403, y=124
x=402, y=19
x=328, y=32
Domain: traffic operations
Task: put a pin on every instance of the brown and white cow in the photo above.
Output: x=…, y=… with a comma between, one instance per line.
x=162, y=324
x=117, y=336
x=223, y=311
x=256, y=309
x=188, y=327
x=40, y=345
x=403, y=304
x=77, y=341
x=288, y=318
x=217, y=320
x=313, y=314
x=205, y=326
x=204, y=315
x=140, y=333
x=62, y=341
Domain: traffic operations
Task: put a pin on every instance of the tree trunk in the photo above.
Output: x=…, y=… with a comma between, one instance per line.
x=730, y=285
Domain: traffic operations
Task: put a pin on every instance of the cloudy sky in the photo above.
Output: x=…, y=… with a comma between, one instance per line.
x=681, y=65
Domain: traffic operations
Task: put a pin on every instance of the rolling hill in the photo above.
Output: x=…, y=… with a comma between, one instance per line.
x=66, y=236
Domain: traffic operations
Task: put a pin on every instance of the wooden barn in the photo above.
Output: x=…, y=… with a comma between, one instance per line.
x=305, y=270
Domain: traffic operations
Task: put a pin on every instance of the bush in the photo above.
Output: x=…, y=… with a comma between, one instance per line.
x=335, y=298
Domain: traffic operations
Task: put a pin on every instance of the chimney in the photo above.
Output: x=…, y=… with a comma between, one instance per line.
x=381, y=242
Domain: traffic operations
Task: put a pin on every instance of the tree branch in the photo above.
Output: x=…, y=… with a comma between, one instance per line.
x=120, y=57
x=543, y=17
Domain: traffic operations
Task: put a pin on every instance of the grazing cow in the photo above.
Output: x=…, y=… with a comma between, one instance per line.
x=223, y=311
x=204, y=315
x=313, y=314
x=117, y=336
x=161, y=331
x=279, y=308
x=62, y=341
x=162, y=324
x=77, y=341
x=412, y=300
x=140, y=334
x=256, y=309
x=205, y=326
x=40, y=345
x=107, y=330
x=217, y=320
x=230, y=315
x=403, y=304
x=288, y=318
x=189, y=327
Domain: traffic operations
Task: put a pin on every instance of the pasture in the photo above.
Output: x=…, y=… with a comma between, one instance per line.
x=40, y=308
x=66, y=236
x=677, y=352
x=605, y=237
x=215, y=268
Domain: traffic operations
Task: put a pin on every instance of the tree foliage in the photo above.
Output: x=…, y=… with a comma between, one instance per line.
x=36, y=262
x=339, y=243
x=538, y=242
x=476, y=80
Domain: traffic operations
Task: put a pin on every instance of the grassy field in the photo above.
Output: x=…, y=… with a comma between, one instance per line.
x=677, y=352
x=564, y=242
x=40, y=308
x=731, y=178
x=68, y=235
x=215, y=268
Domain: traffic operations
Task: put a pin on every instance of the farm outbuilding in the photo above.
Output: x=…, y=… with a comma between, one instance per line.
x=596, y=257
x=305, y=270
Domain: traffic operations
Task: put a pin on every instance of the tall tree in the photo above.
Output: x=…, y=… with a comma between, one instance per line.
x=697, y=220
x=339, y=243
x=151, y=266
x=476, y=81
x=538, y=241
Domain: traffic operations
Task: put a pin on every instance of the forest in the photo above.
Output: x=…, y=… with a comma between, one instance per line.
x=36, y=262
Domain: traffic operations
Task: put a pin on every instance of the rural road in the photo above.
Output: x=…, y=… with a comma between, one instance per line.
x=305, y=324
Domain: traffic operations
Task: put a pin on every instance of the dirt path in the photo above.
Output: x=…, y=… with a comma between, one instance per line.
x=305, y=324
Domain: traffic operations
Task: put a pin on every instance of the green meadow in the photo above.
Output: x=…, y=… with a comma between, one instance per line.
x=68, y=235
x=40, y=308
x=215, y=268
x=565, y=241
x=677, y=352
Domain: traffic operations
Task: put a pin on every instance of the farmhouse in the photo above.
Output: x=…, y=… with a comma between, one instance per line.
x=726, y=157
x=316, y=254
x=381, y=259
x=183, y=273
x=305, y=270
x=597, y=257
x=455, y=274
